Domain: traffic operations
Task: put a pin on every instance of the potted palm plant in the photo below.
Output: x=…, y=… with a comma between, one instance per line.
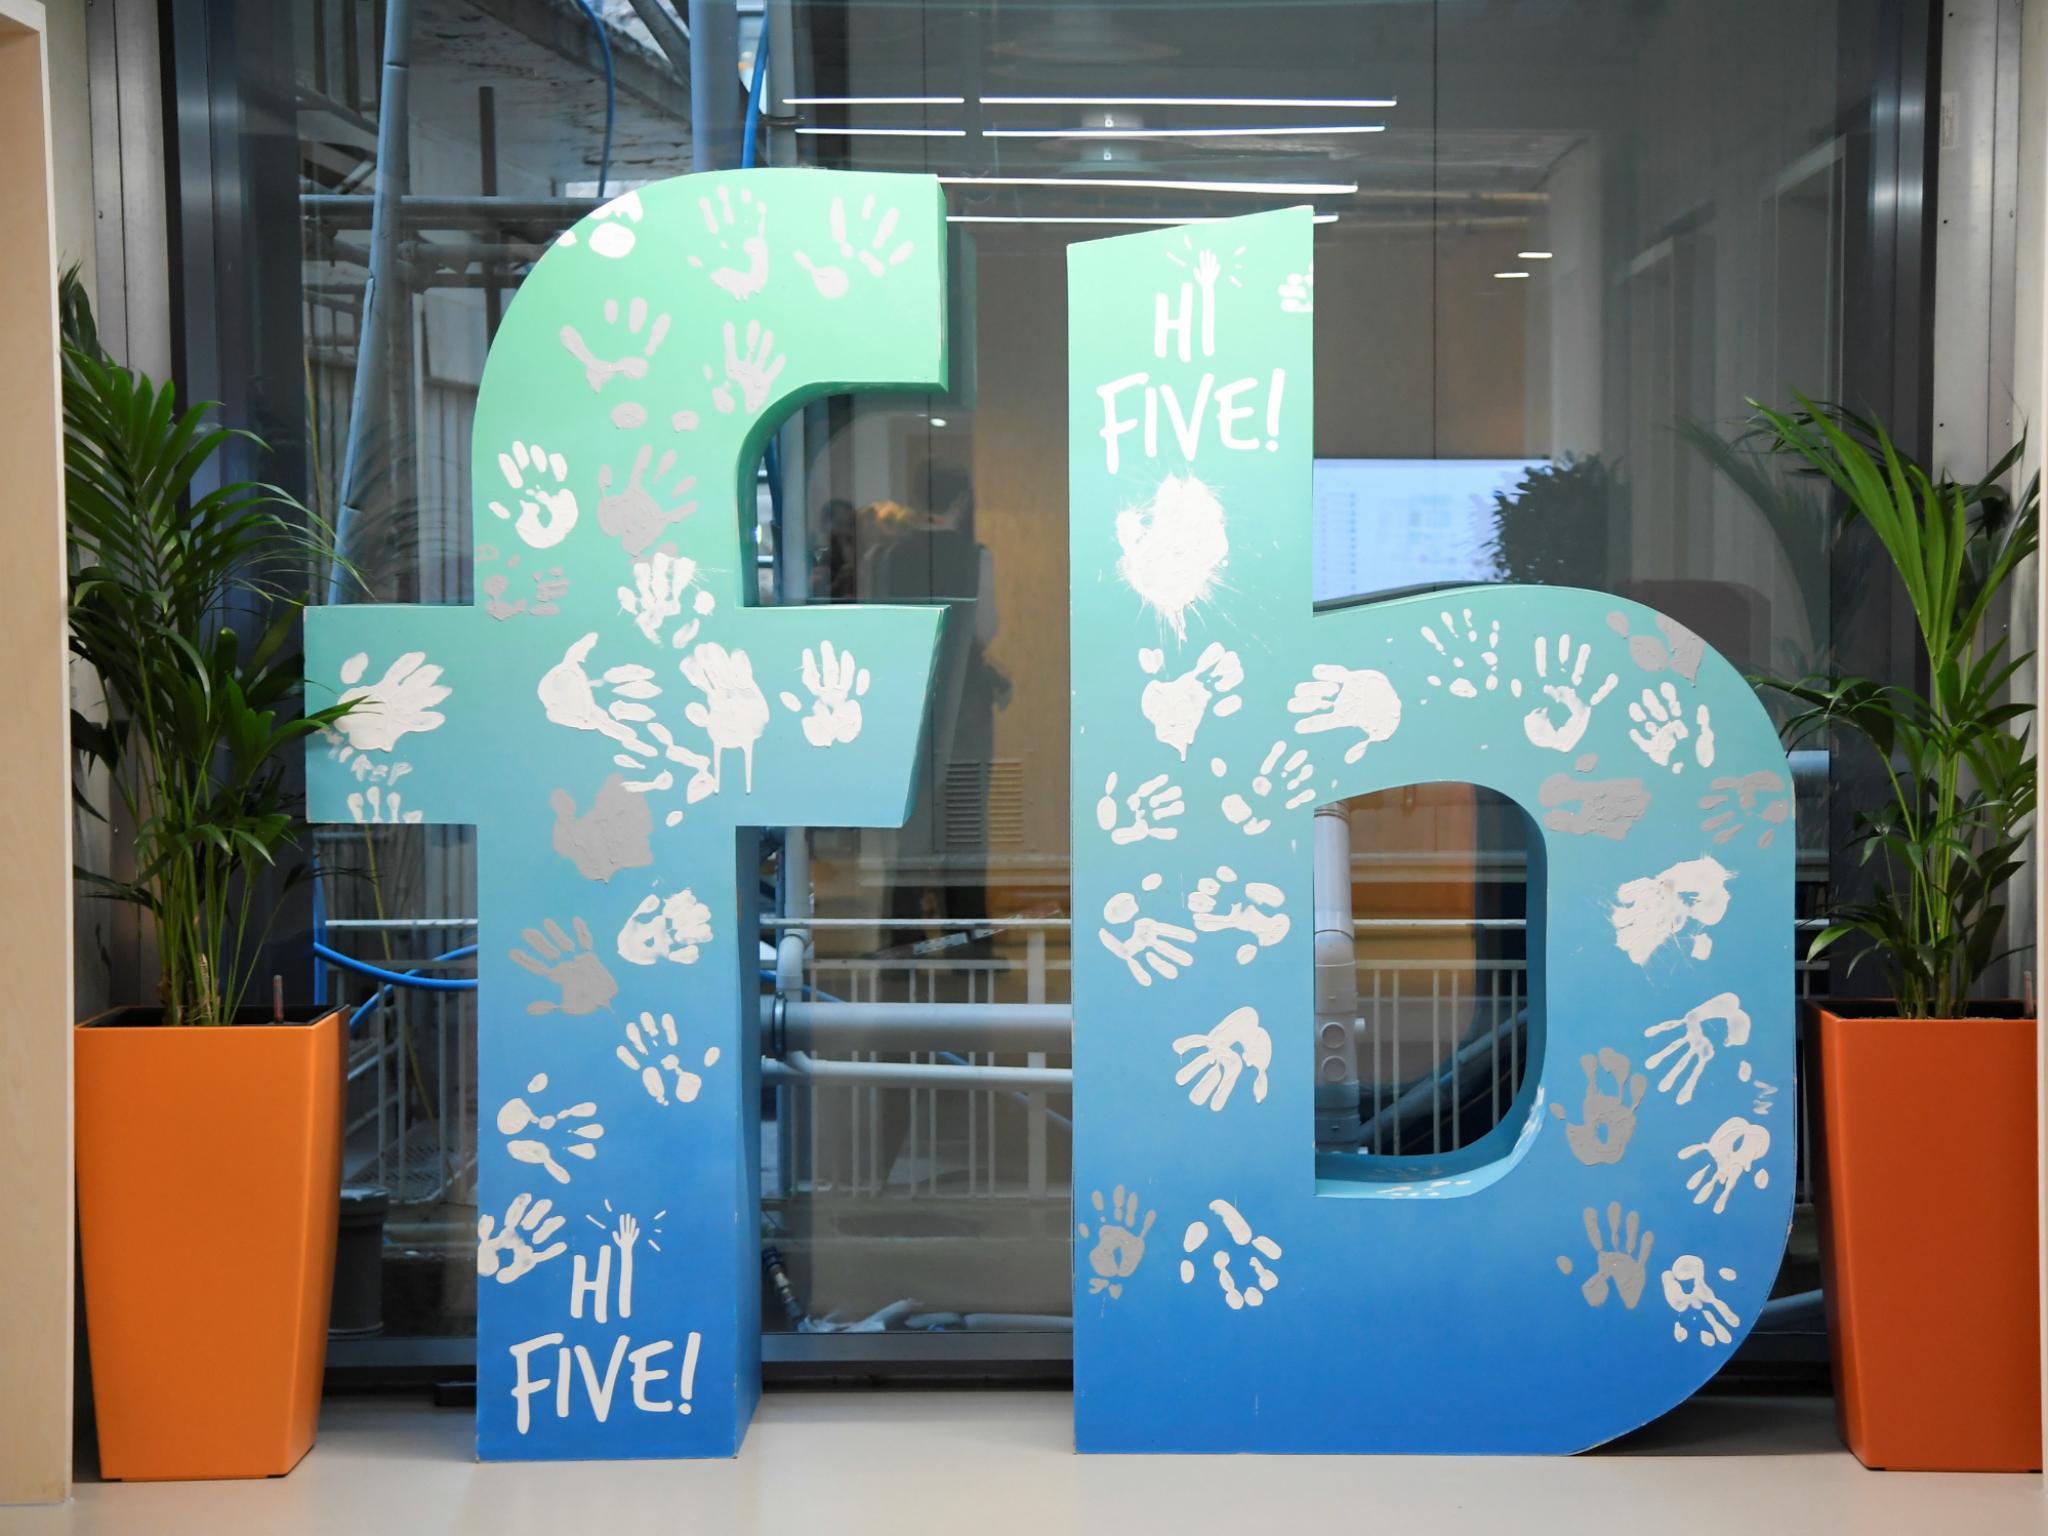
x=1926, y=1147
x=208, y=1131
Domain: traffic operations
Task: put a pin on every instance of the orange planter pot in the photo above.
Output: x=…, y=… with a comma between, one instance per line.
x=1926, y=1176
x=209, y=1168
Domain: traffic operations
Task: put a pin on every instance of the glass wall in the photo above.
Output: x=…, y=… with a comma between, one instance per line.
x=1560, y=243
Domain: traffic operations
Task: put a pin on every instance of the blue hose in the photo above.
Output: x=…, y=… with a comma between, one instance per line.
x=611, y=95
x=411, y=978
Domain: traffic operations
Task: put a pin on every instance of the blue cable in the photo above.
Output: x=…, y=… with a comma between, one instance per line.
x=400, y=978
x=410, y=978
x=611, y=95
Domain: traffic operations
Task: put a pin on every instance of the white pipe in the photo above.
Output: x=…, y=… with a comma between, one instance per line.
x=801, y=1065
x=802, y=1025
x=1336, y=959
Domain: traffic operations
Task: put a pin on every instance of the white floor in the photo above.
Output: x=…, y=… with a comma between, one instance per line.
x=993, y=1461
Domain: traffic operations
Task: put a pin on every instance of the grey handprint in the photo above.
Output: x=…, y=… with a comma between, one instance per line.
x=612, y=835
x=1119, y=1240
x=1618, y=1261
x=635, y=514
x=1607, y=1120
x=585, y=984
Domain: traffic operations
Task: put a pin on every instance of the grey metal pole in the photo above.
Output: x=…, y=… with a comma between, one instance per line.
x=715, y=108
x=888, y=1074
x=668, y=35
x=382, y=300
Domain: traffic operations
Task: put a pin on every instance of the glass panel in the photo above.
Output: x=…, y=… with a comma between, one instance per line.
x=1563, y=242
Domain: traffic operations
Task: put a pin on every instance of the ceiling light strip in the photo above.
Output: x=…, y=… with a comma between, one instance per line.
x=1254, y=188
x=885, y=133
x=1056, y=218
x=874, y=101
x=1320, y=103
x=1317, y=132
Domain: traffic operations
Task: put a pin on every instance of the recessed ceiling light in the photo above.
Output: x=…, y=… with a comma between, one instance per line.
x=938, y=421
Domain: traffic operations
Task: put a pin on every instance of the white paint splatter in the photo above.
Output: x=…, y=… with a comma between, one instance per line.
x=1174, y=548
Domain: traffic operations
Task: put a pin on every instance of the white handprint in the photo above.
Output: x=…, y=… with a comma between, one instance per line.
x=635, y=515
x=835, y=686
x=1736, y=1147
x=830, y=279
x=1149, y=941
x=1240, y=1230
x=374, y=806
x=624, y=1237
x=569, y=697
x=1660, y=727
x=1651, y=911
x=751, y=371
x=1177, y=706
x=1686, y=1290
x=646, y=1037
x=1343, y=699
x=547, y=507
x=734, y=711
x=1155, y=800
x=598, y=371
x=1207, y=270
x=613, y=237
x=1545, y=732
x=1221, y=1055
x=741, y=283
x=399, y=703
x=517, y=1116
x=1461, y=685
x=1254, y=914
x=1692, y=1049
x=1294, y=775
x=671, y=929
x=511, y=1250
x=656, y=596
x=1298, y=292
x=701, y=781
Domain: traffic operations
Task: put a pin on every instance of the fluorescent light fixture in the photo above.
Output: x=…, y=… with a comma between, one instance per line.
x=1324, y=103
x=886, y=133
x=1058, y=218
x=1179, y=133
x=1254, y=188
x=1532, y=255
x=1510, y=274
x=874, y=101
x=938, y=421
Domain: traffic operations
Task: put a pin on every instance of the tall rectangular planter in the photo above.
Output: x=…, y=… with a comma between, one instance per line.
x=209, y=1171
x=1926, y=1177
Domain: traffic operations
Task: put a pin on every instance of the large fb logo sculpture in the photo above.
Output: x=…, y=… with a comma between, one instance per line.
x=612, y=714
x=1592, y=1261
x=608, y=713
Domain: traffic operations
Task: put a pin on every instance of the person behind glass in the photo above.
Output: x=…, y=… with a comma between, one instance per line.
x=835, y=552
x=941, y=866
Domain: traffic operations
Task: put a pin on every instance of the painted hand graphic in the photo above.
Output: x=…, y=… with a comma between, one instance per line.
x=585, y=984
x=1149, y=942
x=1686, y=1291
x=1253, y=911
x=597, y=371
x=1660, y=726
x=1220, y=1057
x=569, y=697
x=614, y=834
x=741, y=282
x=661, y=582
x=1692, y=1049
x=1606, y=1120
x=517, y=1117
x=547, y=507
x=1261, y=1248
x=375, y=806
x=1735, y=1148
x=651, y=1049
x=396, y=705
x=1539, y=726
x=1176, y=706
x=1344, y=699
x=510, y=1251
x=673, y=929
x=734, y=711
x=1298, y=293
x=1749, y=791
x=1452, y=645
x=828, y=277
x=638, y=512
x=1618, y=1261
x=835, y=687
x=1292, y=775
x=1119, y=1241
x=754, y=370
x=1155, y=800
